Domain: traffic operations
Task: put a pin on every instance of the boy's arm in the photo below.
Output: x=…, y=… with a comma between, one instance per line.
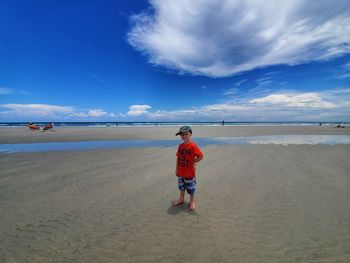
x=198, y=159
x=176, y=166
x=198, y=154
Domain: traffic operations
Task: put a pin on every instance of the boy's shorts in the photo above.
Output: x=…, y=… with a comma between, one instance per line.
x=187, y=183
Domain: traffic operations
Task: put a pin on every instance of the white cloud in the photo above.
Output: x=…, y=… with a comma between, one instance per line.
x=222, y=37
x=264, y=81
x=344, y=72
x=325, y=105
x=309, y=100
x=94, y=113
x=4, y=91
x=230, y=92
x=99, y=113
x=37, y=109
x=292, y=106
x=241, y=82
x=136, y=110
x=45, y=111
x=206, y=112
x=340, y=97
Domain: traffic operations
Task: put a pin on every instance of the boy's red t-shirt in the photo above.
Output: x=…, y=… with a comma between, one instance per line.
x=186, y=154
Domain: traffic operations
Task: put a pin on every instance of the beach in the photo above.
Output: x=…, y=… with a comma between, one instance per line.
x=255, y=203
x=64, y=134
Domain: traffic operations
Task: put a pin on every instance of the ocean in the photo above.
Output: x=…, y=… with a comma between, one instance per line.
x=135, y=124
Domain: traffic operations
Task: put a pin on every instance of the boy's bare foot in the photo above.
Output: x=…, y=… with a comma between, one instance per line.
x=192, y=206
x=177, y=202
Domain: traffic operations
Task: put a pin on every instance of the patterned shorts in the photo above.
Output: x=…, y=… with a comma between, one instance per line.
x=187, y=183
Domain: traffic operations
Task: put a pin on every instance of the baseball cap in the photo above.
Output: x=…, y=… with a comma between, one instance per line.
x=184, y=129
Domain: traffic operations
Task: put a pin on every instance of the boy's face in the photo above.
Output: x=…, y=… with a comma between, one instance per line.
x=185, y=136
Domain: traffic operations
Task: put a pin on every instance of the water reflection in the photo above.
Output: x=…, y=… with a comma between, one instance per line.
x=86, y=145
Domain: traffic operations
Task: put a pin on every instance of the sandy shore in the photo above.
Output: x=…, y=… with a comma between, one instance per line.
x=22, y=135
x=258, y=203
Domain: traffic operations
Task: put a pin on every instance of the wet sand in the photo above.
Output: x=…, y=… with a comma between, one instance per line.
x=61, y=134
x=257, y=203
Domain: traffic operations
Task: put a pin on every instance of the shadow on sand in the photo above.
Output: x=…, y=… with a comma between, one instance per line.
x=174, y=210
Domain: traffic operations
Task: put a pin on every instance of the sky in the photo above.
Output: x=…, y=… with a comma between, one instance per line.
x=164, y=60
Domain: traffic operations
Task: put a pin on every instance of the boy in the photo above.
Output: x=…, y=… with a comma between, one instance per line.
x=188, y=155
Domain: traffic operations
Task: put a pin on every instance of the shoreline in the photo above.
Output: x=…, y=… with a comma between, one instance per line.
x=66, y=134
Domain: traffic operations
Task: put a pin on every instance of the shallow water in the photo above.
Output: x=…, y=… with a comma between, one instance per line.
x=86, y=145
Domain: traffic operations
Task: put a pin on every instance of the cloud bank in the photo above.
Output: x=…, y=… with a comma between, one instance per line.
x=329, y=105
x=50, y=112
x=222, y=37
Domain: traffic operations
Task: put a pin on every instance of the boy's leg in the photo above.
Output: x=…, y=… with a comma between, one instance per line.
x=192, y=203
x=181, y=199
x=191, y=188
x=181, y=185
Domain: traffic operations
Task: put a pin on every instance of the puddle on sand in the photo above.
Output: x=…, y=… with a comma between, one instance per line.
x=86, y=145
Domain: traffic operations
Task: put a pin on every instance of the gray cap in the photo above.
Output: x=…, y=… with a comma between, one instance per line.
x=184, y=129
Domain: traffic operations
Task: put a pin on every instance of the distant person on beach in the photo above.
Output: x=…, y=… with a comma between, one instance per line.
x=33, y=126
x=223, y=123
x=187, y=156
x=48, y=126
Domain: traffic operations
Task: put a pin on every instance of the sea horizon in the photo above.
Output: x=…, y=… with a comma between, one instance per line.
x=173, y=123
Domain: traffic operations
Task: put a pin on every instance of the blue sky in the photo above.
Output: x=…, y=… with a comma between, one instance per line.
x=174, y=60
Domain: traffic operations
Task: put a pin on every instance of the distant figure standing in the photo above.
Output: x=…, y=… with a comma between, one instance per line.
x=320, y=124
x=223, y=123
